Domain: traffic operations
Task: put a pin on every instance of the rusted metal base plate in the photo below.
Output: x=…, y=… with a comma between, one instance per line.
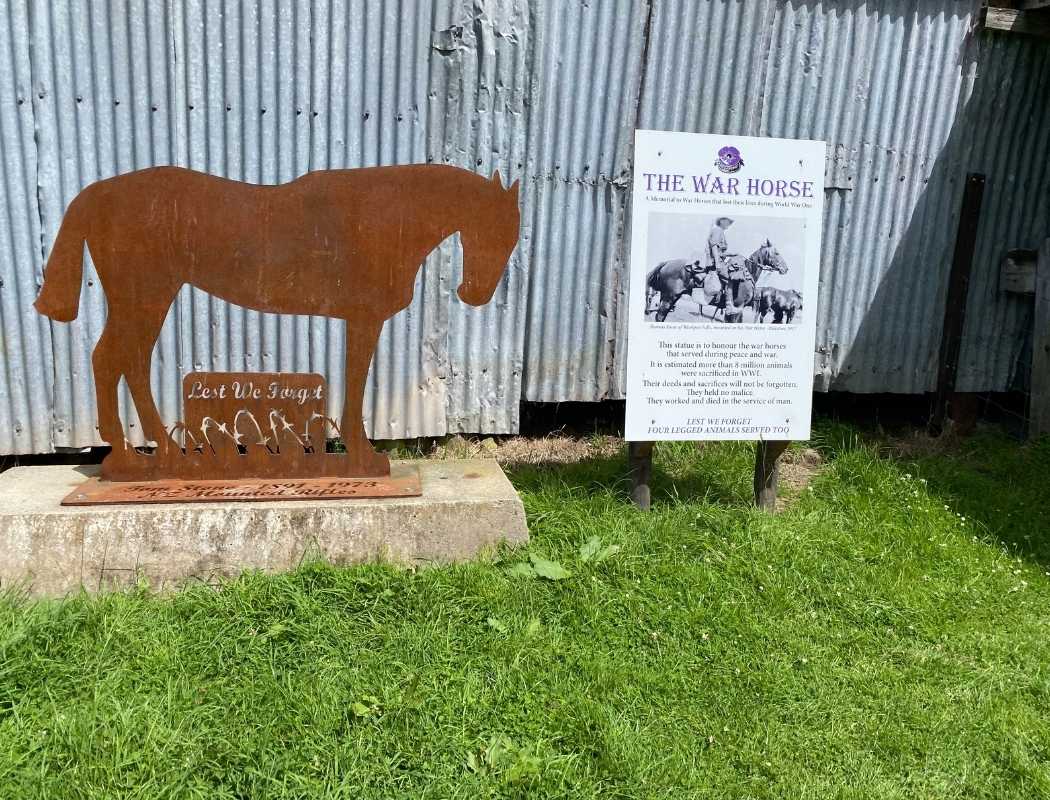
x=402, y=482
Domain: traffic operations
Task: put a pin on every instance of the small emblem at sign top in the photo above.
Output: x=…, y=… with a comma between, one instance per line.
x=729, y=159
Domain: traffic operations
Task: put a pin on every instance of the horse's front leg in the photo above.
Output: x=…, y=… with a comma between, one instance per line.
x=139, y=356
x=363, y=460
x=664, y=309
x=699, y=301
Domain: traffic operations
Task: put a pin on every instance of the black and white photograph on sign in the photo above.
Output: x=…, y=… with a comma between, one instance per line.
x=732, y=269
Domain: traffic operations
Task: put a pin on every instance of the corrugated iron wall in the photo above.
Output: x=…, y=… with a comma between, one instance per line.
x=909, y=99
x=907, y=95
x=26, y=385
x=264, y=92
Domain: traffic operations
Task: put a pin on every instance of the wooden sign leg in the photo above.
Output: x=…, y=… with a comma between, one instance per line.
x=640, y=464
x=767, y=468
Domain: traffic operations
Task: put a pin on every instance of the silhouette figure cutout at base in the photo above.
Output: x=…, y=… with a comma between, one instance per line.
x=339, y=243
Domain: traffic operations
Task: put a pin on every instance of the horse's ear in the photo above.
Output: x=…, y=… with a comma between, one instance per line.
x=514, y=187
x=496, y=179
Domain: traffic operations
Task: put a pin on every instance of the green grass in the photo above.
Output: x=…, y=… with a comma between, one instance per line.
x=867, y=642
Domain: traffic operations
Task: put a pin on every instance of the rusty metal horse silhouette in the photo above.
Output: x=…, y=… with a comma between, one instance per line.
x=339, y=243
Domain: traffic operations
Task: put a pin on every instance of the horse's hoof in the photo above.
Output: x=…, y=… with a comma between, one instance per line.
x=123, y=463
x=368, y=464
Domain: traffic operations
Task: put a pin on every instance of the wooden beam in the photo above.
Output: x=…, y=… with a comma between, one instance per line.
x=1039, y=402
x=1032, y=5
x=767, y=472
x=1012, y=20
x=955, y=302
x=640, y=466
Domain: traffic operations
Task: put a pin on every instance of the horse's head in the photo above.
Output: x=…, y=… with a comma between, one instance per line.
x=767, y=254
x=488, y=237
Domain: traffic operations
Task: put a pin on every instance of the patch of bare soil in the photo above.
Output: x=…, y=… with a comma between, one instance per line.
x=797, y=470
x=919, y=444
x=552, y=449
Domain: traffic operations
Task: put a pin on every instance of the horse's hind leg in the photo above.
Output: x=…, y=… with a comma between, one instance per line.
x=126, y=348
x=105, y=365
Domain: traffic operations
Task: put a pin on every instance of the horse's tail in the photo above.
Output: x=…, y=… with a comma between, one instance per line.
x=650, y=279
x=60, y=296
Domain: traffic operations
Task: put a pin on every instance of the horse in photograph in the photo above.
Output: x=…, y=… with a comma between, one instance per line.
x=784, y=303
x=670, y=280
x=765, y=259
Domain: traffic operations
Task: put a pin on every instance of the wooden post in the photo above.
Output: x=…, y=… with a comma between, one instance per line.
x=767, y=469
x=955, y=302
x=640, y=465
x=1039, y=402
x=1031, y=18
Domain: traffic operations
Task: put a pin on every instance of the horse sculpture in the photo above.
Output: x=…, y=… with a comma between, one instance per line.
x=339, y=243
x=673, y=279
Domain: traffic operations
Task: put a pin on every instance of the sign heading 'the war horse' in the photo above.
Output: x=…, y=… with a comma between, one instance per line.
x=339, y=243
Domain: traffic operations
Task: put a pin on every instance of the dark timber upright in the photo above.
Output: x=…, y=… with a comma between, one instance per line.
x=640, y=463
x=1039, y=404
x=955, y=301
x=767, y=472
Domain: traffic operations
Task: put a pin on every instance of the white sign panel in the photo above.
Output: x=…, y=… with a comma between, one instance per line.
x=725, y=250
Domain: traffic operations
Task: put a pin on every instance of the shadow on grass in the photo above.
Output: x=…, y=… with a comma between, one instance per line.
x=683, y=472
x=600, y=474
x=999, y=483
x=990, y=478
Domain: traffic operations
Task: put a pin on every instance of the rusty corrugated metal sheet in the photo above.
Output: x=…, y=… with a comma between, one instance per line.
x=882, y=84
x=26, y=378
x=908, y=96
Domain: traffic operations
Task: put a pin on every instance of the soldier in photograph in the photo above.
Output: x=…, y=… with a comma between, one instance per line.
x=719, y=261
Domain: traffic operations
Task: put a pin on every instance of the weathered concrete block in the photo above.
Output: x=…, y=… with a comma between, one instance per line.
x=467, y=507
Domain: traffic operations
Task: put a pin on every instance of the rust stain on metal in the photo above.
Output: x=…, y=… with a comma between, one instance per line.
x=338, y=243
x=403, y=482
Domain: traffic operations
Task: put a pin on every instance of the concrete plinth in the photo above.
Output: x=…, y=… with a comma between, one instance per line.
x=467, y=507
